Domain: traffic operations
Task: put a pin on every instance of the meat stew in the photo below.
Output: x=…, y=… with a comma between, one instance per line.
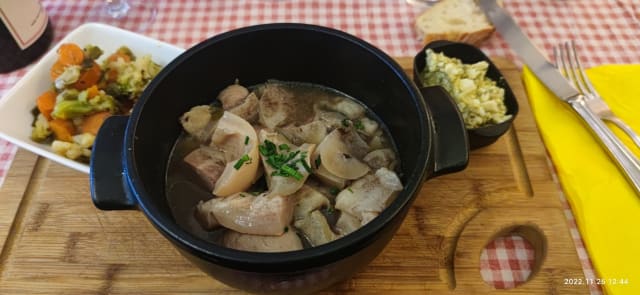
x=280, y=166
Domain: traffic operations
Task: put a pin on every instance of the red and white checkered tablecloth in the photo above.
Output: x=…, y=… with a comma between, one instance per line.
x=609, y=30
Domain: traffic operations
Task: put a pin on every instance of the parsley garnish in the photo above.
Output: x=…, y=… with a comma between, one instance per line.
x=246, y=140
x=244, y=159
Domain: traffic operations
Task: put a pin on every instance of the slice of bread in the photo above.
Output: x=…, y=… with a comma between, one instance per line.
x=454, y=20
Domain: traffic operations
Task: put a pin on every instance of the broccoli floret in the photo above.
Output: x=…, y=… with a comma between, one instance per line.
x=68, y=94
x=68, y=109
x=104, y=102
x=125, y=50
x=92, y=52
x=117, y=90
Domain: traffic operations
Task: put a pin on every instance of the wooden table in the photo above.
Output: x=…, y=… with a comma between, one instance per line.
x=56, y=242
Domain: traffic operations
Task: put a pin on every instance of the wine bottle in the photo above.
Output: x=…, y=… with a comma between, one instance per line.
x=25, y=33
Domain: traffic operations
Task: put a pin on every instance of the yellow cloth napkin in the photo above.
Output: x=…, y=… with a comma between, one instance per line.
x=605, y=206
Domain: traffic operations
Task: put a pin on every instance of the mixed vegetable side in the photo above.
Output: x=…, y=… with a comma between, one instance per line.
x=84, y=92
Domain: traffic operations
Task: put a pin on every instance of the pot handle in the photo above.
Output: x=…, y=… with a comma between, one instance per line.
x=451, y=142
x=106, y=173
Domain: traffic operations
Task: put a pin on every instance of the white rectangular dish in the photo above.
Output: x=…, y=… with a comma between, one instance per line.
x=15, y=107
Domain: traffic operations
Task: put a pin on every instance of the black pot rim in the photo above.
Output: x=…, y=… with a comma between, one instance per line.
x=285, y=261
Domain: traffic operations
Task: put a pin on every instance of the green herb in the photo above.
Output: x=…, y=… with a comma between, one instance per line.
x=330, y=210
x=358, y=124
x=255, y=193
x=244, y=159
x=334, y=191
x=305, y=165
x=287, y=171
x=246, y=140
x=284, y=147
x=318, y=162
x=267, y=149
x=349, y=189
x=284, y=163
x=345, y=122
x=243, y=195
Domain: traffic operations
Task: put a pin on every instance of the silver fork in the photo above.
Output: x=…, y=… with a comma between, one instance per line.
x=568, y=62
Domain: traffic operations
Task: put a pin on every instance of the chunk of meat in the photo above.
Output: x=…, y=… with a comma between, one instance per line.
x=368, y=196
x=355, y=144
x=308, y=200
x=338, y=153
x=276, y=106
x=369, y=127
x=289, y=241
x=248, y=109
x=345, y=106
x=199, y=121
x=264, y=214
x=208, y=163
x=381, y=158
x=349, y=108
x=316, y=228
x=326, y=177
x=330, y=119
x=378, y=141
x=347, y=224
x=229, y=142
x=237, y=139
x=312, y=132
x=311, y=222
x=285, y=185
x=233, y=95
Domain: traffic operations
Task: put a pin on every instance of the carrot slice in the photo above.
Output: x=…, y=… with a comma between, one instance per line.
x=92, y=123
x=117, y=54
x=70, y=54
x=112, y=75
x=88, y=77
x=56, y=70
x=92, y=91
x=62, y=129
x=46, y=102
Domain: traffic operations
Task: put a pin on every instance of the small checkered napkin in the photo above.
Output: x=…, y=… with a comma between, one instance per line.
x=507, y=262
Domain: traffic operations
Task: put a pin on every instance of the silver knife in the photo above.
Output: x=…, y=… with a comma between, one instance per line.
x=556, y=83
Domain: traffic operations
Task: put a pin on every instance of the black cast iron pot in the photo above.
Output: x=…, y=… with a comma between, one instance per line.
x=130, y=153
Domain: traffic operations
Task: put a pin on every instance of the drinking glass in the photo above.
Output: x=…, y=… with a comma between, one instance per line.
x=132, y=15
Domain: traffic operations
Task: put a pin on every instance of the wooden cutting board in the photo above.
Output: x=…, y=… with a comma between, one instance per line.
x=56, y=242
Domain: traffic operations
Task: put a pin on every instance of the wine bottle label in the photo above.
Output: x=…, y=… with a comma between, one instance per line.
x=25, y=19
